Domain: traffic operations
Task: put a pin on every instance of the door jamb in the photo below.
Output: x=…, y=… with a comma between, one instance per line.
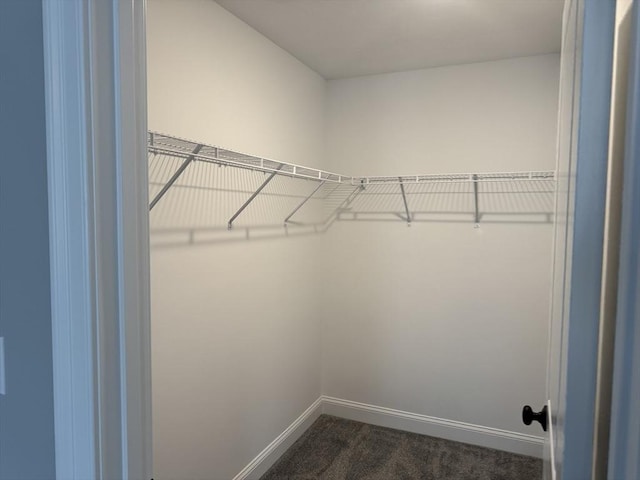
x=582, y=358
x=95, y=86
x=624, y=444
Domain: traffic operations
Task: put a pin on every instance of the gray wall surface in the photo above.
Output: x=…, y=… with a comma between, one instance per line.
x=433, y=311
x=235, y=325
x=26, y=412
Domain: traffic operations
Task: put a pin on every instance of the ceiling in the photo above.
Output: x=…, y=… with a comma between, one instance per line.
x=347, y=38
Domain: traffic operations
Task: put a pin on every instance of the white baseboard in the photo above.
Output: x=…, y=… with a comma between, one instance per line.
x=436, y=427
x=387, y=417
x=267, y=457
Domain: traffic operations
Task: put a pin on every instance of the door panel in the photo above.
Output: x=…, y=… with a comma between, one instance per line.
x=583, y=128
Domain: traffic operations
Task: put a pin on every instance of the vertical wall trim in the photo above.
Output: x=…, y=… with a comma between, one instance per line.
x=133, y=239
x=72, y=281
x=96, y=158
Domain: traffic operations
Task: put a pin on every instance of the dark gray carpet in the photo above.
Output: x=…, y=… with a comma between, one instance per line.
x=337, y=449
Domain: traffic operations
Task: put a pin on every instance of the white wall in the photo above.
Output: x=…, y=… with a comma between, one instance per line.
x=235, y=334
x=439, y=319
x=442, y=319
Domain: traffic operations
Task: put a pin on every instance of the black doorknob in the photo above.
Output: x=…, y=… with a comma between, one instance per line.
x=528, y=416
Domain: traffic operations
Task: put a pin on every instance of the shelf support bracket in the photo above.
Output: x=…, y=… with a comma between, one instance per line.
x=345, y=203
x=253, y=196
x=286, y=220
x=475, y=195
x=175, y=176
x=404, y=199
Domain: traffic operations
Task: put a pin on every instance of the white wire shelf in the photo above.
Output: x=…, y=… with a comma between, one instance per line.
x=190, y=151
x=182, y=148
x=460, y=178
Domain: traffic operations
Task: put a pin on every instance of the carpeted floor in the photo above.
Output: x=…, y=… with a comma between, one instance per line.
x=338, y=449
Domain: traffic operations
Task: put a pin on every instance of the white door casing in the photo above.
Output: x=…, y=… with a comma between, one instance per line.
x=96, y=158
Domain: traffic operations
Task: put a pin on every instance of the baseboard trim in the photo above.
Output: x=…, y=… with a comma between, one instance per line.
x=436, y=427
x=267, y=457
x=514, y=442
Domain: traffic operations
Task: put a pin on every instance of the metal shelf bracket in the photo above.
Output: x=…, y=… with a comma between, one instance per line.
x=286, y=220
x=404, y=199
x=345, y=203
x=175, y=176
x=252, y=197
x=475, y=195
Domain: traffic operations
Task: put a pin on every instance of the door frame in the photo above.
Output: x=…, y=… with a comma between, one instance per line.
x=95, y=82
x=95, y=93
x=624, y=461
x=578, y=411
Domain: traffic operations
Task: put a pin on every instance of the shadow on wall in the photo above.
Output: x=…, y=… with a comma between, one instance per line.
x=197, y=209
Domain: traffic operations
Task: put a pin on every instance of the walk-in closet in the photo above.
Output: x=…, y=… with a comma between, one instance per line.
x=351, y=229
